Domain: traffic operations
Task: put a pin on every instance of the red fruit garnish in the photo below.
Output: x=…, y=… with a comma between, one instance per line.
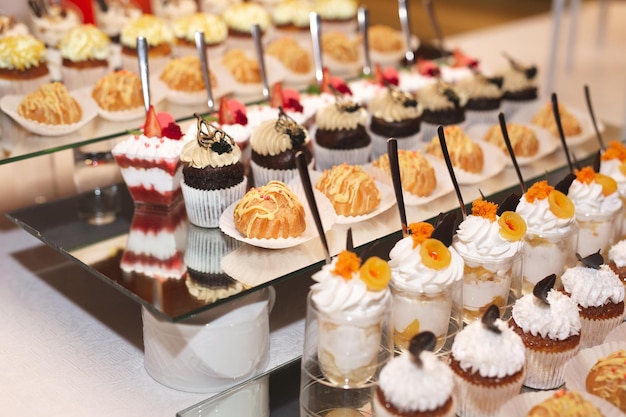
x=165, y=118
x=232, y=112
x=460, y=60
x=152, y=128
x=172, y=131
x=324, y=88
x=291, y=100
x=276, y=99
x=387, y=76
x=427, y=67
x=337, y=83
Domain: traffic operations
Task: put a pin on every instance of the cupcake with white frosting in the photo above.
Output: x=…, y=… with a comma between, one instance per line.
x=214, y=29
x=240, y=17
x=23, y=64
x=617, y=259
x=159, y=38
x=291, y=18
x=416, y=383
x=599, y=294
x=487, y=359
x=85, y=52
x=549, y=325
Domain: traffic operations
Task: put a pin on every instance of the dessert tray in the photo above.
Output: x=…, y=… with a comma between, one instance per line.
x=327, y=213
x=10, y=103
x=520, y=405
x=547, y=144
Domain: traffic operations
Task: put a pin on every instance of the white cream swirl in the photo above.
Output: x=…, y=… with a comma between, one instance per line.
x=267, y=140
x=590, y=287
x=21, y=52
x=540, y=219
x=85, y=42
x=407, y=268
x=479, y=238
x=149, y=147
x=491, y=354
x=242, y=16
x=201, y=157
x=432, y=97
x=332, y=294
x=477, y=86
x=588, y=199
x=611, y=168
x=213, y=27
x=154, y=29
x=557, y=320
x=385, y=107
x=514, y=80
x=331, y=117
x=617, y=253
x=416, y=388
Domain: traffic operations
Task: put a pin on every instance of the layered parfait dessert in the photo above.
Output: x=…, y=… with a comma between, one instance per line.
x=613, y=164
x=350, y=301
x=551, y=233
x=426, y=286
x=490, y=242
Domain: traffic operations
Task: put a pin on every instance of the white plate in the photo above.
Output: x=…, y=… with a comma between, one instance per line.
x=387, y=200
x=526, y=114
x=618, y=334
x=10, y=103
x=520, y=405
x=577, y=368
x=327, y=213
x=494, y=163
x=444, y=184
x=225, y=85
x=547, y=143
x=275, y=73
x=158, y=91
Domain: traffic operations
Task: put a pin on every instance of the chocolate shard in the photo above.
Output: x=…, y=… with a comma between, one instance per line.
x=490, y=317
x=509, y=203
x=543, y=287
x=564, y=184
x=595, y=260
x=444, y=228
x=597, y=161
x=419, y=343
x=530, y=72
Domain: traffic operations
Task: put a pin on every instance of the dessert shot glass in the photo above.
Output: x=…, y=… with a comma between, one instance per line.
x=598, y=231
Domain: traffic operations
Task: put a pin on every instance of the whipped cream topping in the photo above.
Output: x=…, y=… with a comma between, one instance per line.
x=332, y=118
x=386, y=107
x=407, y=268
x=213, y=27
x=266, y=140
x=590, y=287
x=85, y=42
x=292, y=12
x=491, y=354
x=149, y=147
x=332, y=294
x=617, y=253
x=154, y=29
x=588, y=199
x=478, y=86
x=242, y=16
x=514, y=80
x=416, y=388
x=55, y=23
x=11, y=27
x=479, y=238
x=335, y=9
x=200, y=157
x=610, y=167
x=118, y=14
x=21, y=52
x=432, y=97
x=540, y=219
x=557, y=320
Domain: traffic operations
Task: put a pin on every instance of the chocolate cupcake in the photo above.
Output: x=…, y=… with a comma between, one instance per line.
x=519, y=86
x=275, y=144
x=444, y=104
x=213, y=174
x=484, y=96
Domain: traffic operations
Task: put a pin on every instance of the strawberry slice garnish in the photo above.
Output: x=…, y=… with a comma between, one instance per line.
x=276, y=99
x=151, y=127
x=232, y=112
x=329, y=82
x=427, y=67
x=460, y=60
x=387, y=76
x=291, y=100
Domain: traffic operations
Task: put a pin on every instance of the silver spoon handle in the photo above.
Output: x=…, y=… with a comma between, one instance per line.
x=142, y=56
x=363, y=17
x=258, y=47
x=428, y=4
x=314, y=23
x=403, y=14
x=204, y=65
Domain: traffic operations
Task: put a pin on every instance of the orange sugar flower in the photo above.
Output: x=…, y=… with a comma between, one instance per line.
x=484, y=208
x=586, y=175
x=420, y=232
x=538, y=191
x=347, y=264
x=615, y=150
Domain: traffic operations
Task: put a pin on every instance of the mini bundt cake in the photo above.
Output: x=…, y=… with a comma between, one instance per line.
x=118, y=91
x=50, y=104
x=416, y=172
x=523, y=139
x=351, y=190
x=464, y=153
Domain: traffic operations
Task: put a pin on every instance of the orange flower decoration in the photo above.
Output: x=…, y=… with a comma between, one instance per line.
x=375, y=273
x=420, y=232
x=347, y=264
x=538, y=191
x=484, y=208
x=615, y=150
x=586, y=175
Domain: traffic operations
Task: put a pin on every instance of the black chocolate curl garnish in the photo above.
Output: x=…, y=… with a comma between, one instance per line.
x=543, y=287
x=210, y=136
x=509, y=204
x=402, y=97
x=451, y=96
x=444, y=228
x=497, y=81
x=595, y=260
x=564, y=184
x=597, y=160
x=419, y=343
x=530, y=72
x=291, y=128
x=490, y=317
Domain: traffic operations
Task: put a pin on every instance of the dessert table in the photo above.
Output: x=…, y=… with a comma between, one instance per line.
x=72, y=345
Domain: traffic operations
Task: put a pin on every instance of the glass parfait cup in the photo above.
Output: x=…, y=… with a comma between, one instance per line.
x=598, y=231
x=342, y=357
